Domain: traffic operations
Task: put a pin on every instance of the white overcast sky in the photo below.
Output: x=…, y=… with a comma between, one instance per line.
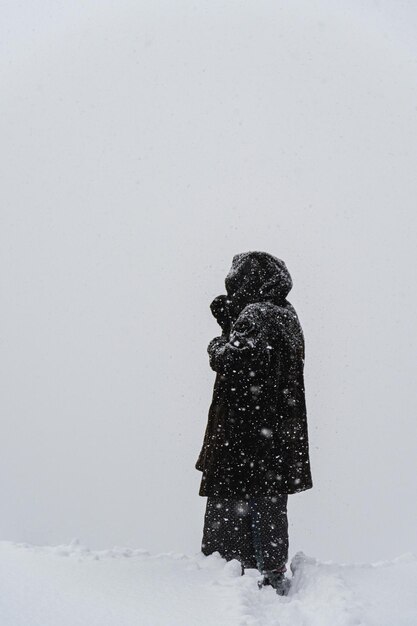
x=143, y=144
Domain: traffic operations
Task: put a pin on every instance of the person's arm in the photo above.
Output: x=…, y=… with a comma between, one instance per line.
x=247, y=345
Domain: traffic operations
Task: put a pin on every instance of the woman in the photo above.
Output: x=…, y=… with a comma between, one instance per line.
x=255, y=450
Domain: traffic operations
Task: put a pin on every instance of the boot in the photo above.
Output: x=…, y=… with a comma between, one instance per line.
x=276, y=578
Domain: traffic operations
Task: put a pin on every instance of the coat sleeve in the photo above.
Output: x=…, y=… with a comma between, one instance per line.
x=247, y=345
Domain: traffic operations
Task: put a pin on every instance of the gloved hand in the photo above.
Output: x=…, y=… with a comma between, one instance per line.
x=220, y=309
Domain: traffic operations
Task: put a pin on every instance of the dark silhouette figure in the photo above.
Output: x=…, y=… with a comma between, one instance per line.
x=255, y=450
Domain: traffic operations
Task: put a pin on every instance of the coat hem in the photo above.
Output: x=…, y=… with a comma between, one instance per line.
x=288, y=492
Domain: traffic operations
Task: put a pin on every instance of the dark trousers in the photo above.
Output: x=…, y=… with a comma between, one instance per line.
x=254, y=531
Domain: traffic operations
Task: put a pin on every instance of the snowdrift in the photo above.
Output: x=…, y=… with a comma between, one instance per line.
x=70, y=585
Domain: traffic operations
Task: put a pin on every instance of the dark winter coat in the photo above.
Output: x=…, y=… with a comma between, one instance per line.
x=256, y=440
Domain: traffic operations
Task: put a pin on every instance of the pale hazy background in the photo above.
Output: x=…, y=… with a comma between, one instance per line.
x=145, y=143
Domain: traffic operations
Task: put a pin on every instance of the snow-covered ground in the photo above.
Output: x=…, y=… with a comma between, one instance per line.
x=70, y=585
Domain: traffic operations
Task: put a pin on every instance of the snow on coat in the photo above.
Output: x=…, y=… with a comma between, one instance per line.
x=256, y=439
